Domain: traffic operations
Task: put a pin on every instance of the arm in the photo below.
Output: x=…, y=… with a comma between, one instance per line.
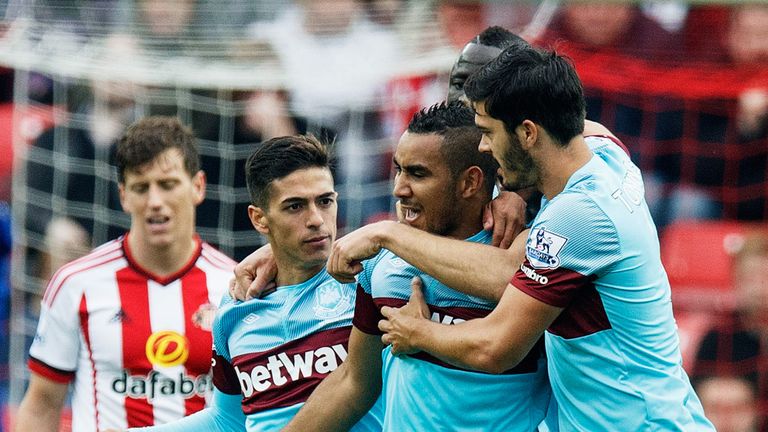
x=224, y=414
x=345, y=395
x=492, y=344
x=472, y=268
x=40, y=410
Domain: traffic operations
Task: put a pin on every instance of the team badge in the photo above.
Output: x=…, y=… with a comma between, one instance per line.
x=331, y=300
x=543, y=248
x=203, y=316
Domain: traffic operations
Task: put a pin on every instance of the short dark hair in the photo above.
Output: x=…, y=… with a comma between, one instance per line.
x=524, y=82
x=279, y=157
x=148, y=137
x=455, y=122
x=498, y=37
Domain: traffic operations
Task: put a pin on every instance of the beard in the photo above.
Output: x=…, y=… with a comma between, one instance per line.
x=518, y=161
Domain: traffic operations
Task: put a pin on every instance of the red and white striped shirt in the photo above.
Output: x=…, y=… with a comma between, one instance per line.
x=137, y=346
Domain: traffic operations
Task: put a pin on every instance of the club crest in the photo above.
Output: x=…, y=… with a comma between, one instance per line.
x=331, y=300
x=543, y=248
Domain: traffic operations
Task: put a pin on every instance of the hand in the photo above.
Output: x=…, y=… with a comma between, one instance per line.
x=348, y=251
x=400, y=323
x=506, y=214
x=254, y=275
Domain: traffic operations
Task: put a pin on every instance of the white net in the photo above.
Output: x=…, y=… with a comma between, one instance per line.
x=237, y=72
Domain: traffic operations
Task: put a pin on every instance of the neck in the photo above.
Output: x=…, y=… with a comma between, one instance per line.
x=161, y=261
x=557, y=164
x=291, y=274
x=470, y=221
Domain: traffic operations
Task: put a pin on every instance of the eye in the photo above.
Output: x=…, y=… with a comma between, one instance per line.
x=326, y=202
x=293, y=207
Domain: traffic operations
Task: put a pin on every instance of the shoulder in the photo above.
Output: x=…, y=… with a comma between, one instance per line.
x=217, y=259
x=96, y=263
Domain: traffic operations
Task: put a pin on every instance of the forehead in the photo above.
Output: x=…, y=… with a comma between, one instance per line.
x=168, y=163
x=305, y=183
x=419, y=149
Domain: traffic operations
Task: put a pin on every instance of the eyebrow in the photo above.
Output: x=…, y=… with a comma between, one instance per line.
x=292, y=200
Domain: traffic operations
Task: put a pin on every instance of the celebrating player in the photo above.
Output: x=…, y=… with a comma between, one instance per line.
x=598, y=288
x=129, y=325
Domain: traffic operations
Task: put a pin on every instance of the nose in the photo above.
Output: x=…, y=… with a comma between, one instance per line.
x=154, y=196
x=314, y=216
x=484, y=146
x=401, y=189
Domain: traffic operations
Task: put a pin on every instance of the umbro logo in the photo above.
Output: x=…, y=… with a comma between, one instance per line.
x=250, y=318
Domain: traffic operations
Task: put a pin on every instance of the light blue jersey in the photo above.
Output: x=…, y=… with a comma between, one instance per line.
x=271, y=353
x=614, y=356
x=420, y=392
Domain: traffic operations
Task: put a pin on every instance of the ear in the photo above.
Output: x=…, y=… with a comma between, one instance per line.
x=121, y=191
x=471, y=181
x=198, y=187
x=527, y=133
x=258, y=218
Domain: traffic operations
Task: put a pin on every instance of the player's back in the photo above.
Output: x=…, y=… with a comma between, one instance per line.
x=617, y=329
x=280, y=348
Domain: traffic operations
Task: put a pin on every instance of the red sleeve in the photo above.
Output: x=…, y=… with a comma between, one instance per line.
x=224, y=375
x=555, y=287
x=367, y=314
x=51, y=373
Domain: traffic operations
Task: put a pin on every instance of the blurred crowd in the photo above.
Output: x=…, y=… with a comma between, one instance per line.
x=352, y=72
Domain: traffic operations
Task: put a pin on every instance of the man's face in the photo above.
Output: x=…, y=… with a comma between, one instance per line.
x=300, y=220
x=472, y=58
x=424, y=185
x=517, y=168
x=161, y=198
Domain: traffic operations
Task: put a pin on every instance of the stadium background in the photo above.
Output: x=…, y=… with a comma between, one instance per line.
x=670, y=78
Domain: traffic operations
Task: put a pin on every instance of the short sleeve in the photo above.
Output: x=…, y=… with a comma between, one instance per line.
x=367, y=314
x=570, y=245
x=56, y=346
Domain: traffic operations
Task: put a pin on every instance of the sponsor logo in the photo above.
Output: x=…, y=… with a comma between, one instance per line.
x=282, y=368
x=543, y=248
x=250, y=318
x=531, y=274
x=119, y=317
x=167, y=348
x=156, y=383
x=331, y=300
x=398, y=262
x=445, y=319
x=203, y=316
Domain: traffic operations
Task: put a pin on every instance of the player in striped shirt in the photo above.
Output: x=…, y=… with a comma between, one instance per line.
x=271, y=353
x=129, y=325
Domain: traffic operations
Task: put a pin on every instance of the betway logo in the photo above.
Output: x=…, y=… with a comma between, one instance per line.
x=321, y=360
x=445, y=319
x=533, y=275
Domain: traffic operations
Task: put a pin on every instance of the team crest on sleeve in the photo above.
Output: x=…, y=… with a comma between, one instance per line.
x=543, y=248
x=331, y=300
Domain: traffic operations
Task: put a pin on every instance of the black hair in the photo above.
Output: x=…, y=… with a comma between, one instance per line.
x=279, y=157
x=498, y=37
x=455, y=122
x=524, y=82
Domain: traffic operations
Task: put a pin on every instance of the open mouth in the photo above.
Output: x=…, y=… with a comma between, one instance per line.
x=158, y=222
x=410, y=214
